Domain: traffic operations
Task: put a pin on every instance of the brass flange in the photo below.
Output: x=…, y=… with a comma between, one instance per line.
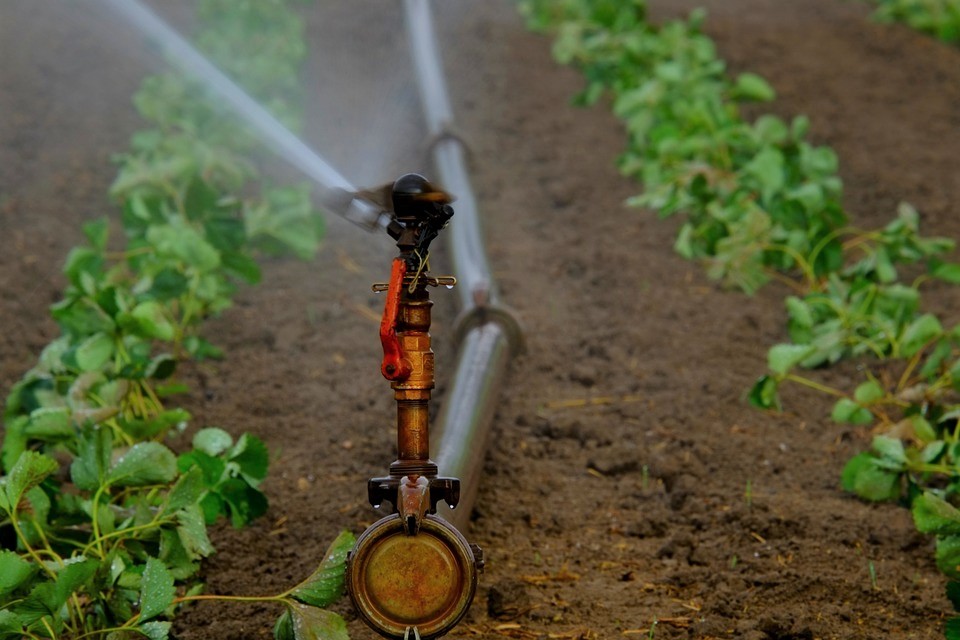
x=406, y=586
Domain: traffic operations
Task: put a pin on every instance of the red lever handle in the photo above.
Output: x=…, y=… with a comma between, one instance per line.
x=393, y=367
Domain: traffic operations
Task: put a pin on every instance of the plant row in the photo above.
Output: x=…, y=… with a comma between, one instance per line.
x=939, y=18
x=761, y=202
x=102, y=525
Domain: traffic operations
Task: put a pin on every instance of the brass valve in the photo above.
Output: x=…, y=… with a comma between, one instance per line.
x=412, y=574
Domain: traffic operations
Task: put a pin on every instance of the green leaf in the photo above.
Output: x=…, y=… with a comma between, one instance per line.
x=252, y=457
x=150, y=319
x=49, y=423
x=243, y=266
x=246, y=502
x=156, y=630
x=890, y=449
x=213, y=468
x=179, y=562
x=948, y=271
x=186, y=492
x=89, y=469
x=783, y=357
x=325, y=585
x=40, y=603
x=192, y=529
x=94, y=352
x=953, y=594
x=862, y=476
x=156, y=589
x=948, y=555
x=767, y=167
x=212, y=440
x=283, y=629
x=932, y=514
x=763, y=394
x=185, y=243
x=30, y=470
x=846, y=411
x=14, y=571
x=869, y=391
x=750, y=86
x=97, y=232
x=951, y=630
x=919, y=333
x=145, y=463
x=75, y=573
x=10, y=626
x=310, y=623
x=161, y=367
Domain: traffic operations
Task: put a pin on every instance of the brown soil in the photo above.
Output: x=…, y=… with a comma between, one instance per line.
x=669, y=499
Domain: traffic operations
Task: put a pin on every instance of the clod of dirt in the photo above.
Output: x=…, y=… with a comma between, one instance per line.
x=507, y=599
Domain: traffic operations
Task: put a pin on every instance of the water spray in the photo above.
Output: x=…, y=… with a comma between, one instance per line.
x=335, y=192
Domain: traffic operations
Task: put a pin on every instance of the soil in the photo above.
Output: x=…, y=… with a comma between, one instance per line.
x=628, y=481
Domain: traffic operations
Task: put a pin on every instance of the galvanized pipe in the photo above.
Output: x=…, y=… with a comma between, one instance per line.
x=489, y=333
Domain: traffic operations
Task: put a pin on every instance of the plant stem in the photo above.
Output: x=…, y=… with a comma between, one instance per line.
x=792, y=377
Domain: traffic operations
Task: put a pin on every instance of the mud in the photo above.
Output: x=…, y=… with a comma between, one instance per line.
x=628, y=480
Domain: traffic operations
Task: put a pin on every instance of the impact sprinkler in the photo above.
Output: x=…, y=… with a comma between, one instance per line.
x=412, y=575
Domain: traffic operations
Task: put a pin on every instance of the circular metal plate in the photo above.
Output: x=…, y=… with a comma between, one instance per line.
x=399, y=582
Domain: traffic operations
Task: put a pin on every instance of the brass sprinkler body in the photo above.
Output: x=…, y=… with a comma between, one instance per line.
x=412, y=574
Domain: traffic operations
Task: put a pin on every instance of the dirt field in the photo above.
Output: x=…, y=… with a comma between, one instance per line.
x=670, y=499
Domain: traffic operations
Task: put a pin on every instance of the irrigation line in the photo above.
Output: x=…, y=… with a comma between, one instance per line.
x=489, y=333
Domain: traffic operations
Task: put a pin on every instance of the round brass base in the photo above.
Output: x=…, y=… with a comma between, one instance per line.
x=402, y=584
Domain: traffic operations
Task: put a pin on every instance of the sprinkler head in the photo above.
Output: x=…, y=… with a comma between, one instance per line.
x=421, y=210
x=406, y=586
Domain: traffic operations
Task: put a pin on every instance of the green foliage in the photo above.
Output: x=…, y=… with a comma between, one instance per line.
x=304, y=617
x=940, y=18
x=761, y=202
x=108, y=525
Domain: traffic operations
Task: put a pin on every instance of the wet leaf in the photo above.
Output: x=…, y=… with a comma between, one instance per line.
x=156, y=630
x=325, y=585
x=253, y=458
x=145, y=463
x=75, y=573
x=89, y=469
x=156, y=589
x=29, y=471
x=186, y=492
x=311, y=623
x=192, y=529
x=212, y=440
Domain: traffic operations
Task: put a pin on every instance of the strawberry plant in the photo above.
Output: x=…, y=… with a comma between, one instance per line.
x=761, y=202
x=102, y=525
x=940, y=18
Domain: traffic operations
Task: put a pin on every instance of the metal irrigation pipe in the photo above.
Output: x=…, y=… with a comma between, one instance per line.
x=488, y=333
